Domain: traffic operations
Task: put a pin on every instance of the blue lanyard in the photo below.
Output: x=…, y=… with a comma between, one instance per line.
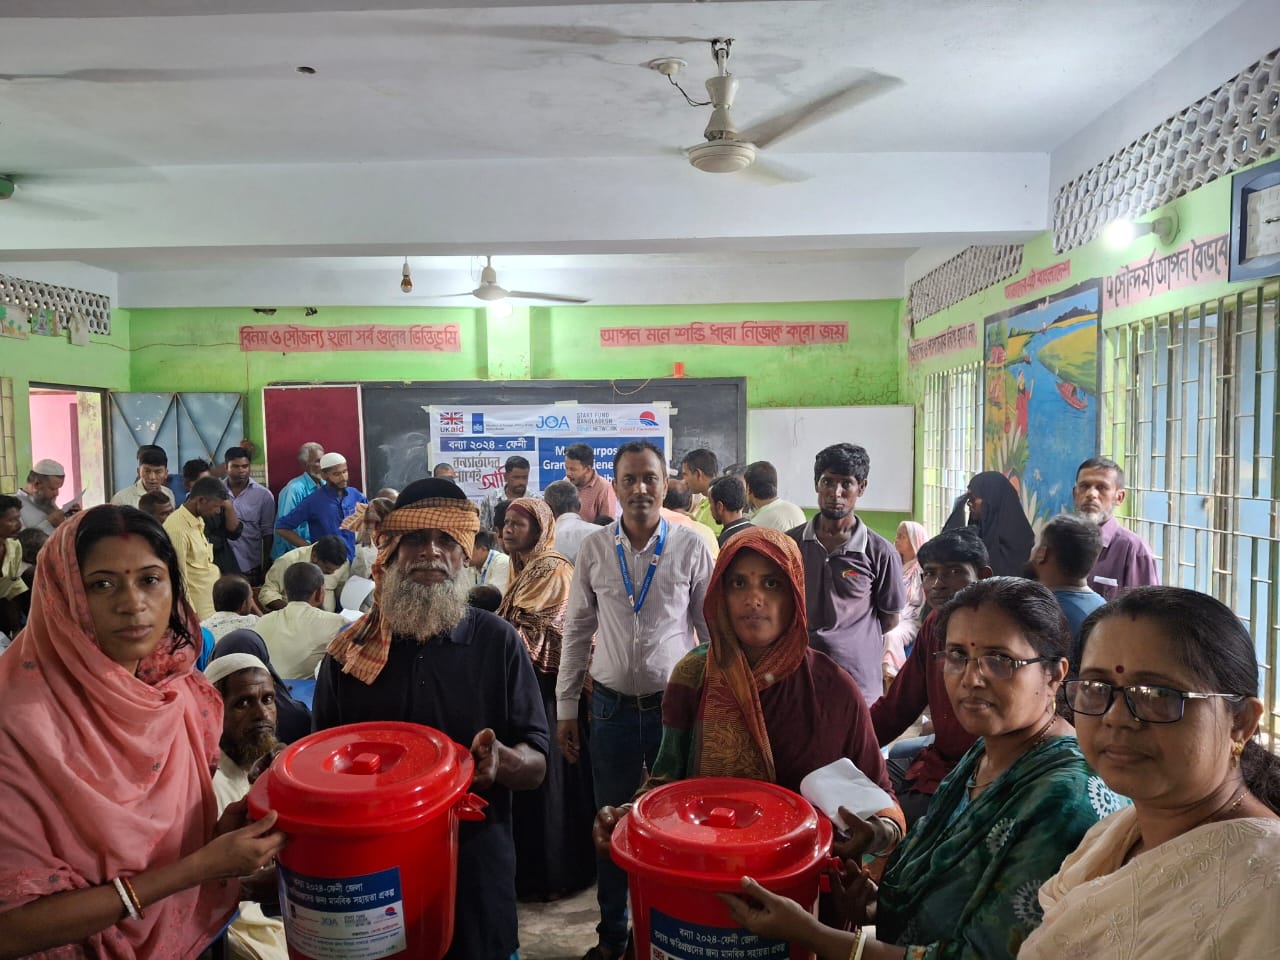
x=484, y=571
x=624, y=566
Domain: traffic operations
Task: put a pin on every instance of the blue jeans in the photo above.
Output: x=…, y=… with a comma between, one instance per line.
x=625, y=734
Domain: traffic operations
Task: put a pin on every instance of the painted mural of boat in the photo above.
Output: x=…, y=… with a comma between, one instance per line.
x=1074, y=396
x=1073, y=361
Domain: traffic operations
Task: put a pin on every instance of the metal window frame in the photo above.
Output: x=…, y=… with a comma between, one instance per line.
x=1192, y=410
x=952, y=438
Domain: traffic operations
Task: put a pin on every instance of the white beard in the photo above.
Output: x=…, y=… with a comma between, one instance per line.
x=420, y=610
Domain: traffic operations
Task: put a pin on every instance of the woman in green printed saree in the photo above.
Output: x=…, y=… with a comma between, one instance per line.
x=963, y=885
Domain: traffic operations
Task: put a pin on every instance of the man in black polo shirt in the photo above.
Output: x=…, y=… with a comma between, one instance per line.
x=458, y=669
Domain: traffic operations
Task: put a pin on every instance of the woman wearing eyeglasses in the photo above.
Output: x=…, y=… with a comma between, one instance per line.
x=1166, y=709
x=963, y=883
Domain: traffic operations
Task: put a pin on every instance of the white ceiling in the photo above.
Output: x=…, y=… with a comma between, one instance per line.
x=185, y=152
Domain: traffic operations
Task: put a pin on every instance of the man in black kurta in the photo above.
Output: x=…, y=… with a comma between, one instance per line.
x=471, y=680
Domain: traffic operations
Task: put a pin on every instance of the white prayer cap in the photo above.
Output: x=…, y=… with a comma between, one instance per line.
x=230, y=663
x=332, y=460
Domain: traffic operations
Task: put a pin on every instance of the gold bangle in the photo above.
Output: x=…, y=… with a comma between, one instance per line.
x=133, y=896
x=855, y=953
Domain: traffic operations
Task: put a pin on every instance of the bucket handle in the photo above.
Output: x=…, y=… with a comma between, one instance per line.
x=832, y=865
x=471, y=807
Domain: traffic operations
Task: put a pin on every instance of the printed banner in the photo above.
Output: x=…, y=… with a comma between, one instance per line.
x=478, y=440
x=963, y=336
x=292, y=338
x=748, y=333
x=1033, y=281
x=1041, y=414
x=1195, y=262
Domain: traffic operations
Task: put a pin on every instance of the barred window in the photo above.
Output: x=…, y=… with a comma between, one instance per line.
x=952, y=439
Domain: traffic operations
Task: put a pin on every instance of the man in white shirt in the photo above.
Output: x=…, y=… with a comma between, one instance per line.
x=296, y=637
x=233, y=606
x=329, y=554
x=248, y=734
x=40, y=497
x=562, y=497
x=153, y=472
x=762, y=493
x=638, y=588
x=491, y=566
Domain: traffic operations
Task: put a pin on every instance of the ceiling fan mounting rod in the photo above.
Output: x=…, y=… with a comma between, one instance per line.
x=720, y=49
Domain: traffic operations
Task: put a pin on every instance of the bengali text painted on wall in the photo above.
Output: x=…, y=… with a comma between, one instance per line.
x=963, y=336
x=1196, y=261
x=1036, y=279
x=749, y=333
x=293, y=338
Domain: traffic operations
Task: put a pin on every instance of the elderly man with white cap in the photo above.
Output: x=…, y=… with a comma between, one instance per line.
x=248, y=735
x=422, y=655
x=324, y=510
x=39, y=497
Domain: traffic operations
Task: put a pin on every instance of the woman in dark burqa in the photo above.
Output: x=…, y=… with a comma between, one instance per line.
x=293, y=719
x=996, y=513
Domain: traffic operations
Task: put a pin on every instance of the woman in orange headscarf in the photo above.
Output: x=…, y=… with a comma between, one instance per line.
x=757, y=701
x=111, y=843
x=552, y=825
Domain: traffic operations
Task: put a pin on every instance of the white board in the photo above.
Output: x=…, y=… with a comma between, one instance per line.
x=790, y=437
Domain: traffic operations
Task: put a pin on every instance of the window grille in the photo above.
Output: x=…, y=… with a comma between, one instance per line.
x=1192, y=410
x=952, y=438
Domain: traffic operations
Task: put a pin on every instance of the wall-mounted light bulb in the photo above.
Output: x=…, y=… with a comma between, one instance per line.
x=406, y=282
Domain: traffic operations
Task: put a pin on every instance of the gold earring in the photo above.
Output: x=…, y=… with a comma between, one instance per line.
x=1237, y=748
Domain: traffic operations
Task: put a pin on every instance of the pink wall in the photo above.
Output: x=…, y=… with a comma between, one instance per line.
x=55, y=436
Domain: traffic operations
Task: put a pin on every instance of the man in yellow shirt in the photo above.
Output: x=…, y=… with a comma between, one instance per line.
x=185, y=527
x=698, y=469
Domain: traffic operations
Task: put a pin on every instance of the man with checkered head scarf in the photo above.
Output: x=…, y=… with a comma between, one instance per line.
x=422, y=655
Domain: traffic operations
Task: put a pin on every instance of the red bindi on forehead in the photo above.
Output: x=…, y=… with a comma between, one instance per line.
x=1119, y=668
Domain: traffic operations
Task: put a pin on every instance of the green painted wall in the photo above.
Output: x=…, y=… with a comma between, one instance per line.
x=198, y=349
x=1202, y=213
x=104, y=364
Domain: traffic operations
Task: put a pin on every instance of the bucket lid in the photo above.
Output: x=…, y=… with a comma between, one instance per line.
x=385, y=774
x=716, y=829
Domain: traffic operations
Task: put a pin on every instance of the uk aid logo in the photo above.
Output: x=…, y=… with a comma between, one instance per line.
x=452, y=421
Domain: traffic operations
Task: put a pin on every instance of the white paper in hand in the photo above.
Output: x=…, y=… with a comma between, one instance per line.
x=841, y=784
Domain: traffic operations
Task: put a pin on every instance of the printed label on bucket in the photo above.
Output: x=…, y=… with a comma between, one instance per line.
x=672, y=939
x=343, y=918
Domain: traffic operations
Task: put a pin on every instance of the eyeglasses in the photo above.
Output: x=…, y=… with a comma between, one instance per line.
x=993, y=666
x=1147, y=703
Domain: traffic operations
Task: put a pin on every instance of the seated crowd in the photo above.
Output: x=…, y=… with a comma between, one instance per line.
x=1070, y=752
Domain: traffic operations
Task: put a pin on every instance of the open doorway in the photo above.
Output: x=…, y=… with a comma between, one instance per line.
x=67, y=426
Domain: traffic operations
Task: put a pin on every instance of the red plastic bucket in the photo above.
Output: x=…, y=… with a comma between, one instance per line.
x=683, y=843
x=372, y=811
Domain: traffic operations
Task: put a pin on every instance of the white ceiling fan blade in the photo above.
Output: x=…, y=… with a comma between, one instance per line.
x=770, y=173
x=134, y=75
x=553, y=297
x=587, y=35
x=25, y=205
x=868, y=86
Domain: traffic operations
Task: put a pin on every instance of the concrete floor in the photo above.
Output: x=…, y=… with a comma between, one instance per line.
x=563, y=930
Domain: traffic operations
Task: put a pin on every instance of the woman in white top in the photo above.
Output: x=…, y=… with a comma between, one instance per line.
x=1166, y=711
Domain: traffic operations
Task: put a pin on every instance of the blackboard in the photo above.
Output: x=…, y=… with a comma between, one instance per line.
x=708, y=413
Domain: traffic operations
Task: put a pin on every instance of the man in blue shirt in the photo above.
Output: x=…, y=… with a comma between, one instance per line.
x=324, y=510
x=297, y=490
x=1064, y=553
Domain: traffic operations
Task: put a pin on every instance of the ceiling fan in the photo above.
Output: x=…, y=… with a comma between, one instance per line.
x=490, y=292
x=14, y=189
x=728, y=150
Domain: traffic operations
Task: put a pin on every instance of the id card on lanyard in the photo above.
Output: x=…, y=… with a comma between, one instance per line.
x=637, y=600
x=484, y=571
